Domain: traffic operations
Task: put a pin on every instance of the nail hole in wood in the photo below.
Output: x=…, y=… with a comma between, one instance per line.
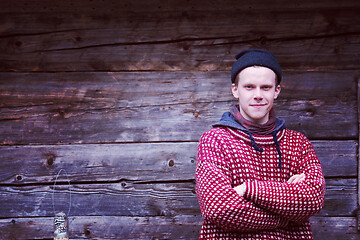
x=18, y=43
x=87, y=232
x=51, y=160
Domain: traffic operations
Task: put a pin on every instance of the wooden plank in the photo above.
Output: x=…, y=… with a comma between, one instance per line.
x=101, y=108
x=104, y=162
x=128, y=198
x=358, y=209
x=99, y=90
x=179, y=227
x=34, y=31
x=334, y=228
x=112, y=199
x=335, y=155
x=303, y=35
x=140, y=6
x=136, y=162
x=299, y=54
x=185, y=122
x=106, y=227
x=340, y=192
x=98, y=19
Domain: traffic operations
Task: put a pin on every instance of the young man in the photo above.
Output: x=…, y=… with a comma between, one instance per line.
x=256, y=179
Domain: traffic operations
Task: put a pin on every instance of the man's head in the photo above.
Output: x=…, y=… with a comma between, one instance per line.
x=255, y=83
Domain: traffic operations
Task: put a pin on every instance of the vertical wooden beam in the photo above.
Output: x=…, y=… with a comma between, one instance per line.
x=358, y=188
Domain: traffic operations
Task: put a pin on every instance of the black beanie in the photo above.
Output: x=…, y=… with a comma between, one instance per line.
x=255, y=57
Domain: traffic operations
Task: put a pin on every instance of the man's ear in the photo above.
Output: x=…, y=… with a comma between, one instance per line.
x=277, y=91
x=234, y=91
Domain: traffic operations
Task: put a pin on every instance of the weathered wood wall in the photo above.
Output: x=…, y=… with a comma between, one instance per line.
x=119, y=92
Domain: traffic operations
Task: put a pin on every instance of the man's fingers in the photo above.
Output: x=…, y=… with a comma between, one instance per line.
x=240, y=189
x=300, y=178
x=296, y=178
x=291, y=179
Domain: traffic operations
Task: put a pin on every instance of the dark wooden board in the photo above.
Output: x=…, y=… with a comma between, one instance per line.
x=337, y=52
x=139, y=199
x=120, y=107
x=136, y=162
x=84, y=23
x=334, y=228
x=335, y=156
x=40, y=92
x=166, y=123
x=110, y=36
x=179, y=227
x=106, y=227
x=141, y=6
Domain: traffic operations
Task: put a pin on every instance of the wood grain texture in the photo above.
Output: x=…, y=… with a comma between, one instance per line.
x=104, y=36
x=166, y=123
x=104, y=90
x=334, y=228
x=127, y=198
x=136, y=162
x=179, y=227
x=101, y=107
x=119, y=92
x=358, y=167
x=106, y=227
x=140, y=6
x=337, y=52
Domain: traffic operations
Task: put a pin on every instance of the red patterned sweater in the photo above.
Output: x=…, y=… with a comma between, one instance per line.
x=271, y=208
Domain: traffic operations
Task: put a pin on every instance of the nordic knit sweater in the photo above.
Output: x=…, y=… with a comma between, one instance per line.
x=271, y=208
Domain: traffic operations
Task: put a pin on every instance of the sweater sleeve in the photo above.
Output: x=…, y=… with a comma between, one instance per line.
x=219, y=202
x=296, y=202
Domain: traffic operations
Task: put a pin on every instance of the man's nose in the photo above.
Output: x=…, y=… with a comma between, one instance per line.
x=258, y=94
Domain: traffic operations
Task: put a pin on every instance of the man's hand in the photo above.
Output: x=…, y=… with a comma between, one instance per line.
x=240, y=189
x=297, y=178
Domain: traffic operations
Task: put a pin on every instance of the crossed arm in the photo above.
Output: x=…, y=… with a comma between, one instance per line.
x=241, y=189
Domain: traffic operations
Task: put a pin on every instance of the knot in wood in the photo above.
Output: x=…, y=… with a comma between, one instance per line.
x=263, y=40
x=87, y=233
x=171, y=163
x=61, y=113
x=50, y=158
x=18, y=43
x=19, y=178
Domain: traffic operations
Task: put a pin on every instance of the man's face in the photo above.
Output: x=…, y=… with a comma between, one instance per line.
x=256, y=91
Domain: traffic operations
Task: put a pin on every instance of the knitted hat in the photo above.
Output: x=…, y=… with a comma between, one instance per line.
x=255, y=57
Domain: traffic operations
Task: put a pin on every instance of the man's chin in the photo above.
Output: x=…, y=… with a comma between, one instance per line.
x=260, y=119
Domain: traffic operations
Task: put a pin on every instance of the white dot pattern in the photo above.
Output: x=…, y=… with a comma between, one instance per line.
x=271, y=208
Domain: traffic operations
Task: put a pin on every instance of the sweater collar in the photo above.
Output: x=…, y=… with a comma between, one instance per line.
x=227, y=120
x=260, y=129
x=272, y=137
x=259, y=139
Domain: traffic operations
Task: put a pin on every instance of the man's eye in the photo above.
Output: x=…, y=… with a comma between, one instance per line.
x=248, y=87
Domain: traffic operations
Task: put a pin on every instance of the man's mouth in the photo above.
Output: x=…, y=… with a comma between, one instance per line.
x=257, y=105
